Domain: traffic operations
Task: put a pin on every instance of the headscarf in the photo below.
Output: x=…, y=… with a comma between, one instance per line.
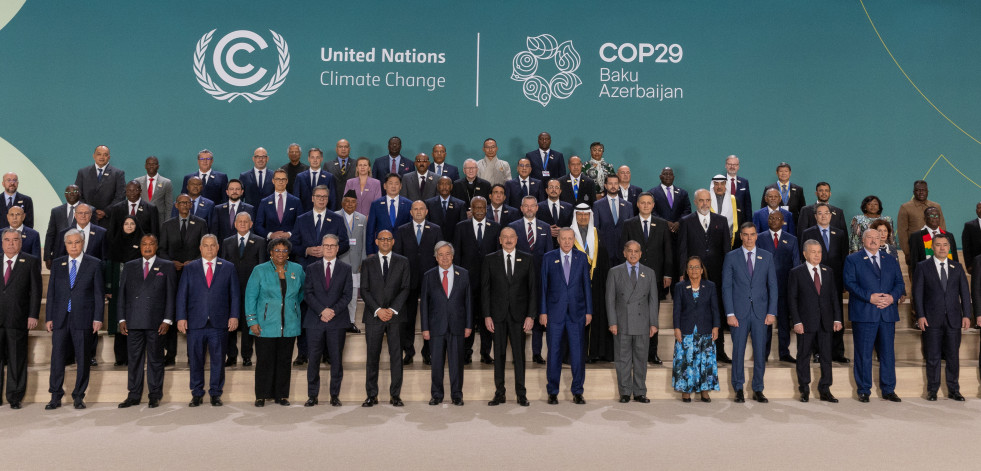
x=125, y=247
x=592, y=237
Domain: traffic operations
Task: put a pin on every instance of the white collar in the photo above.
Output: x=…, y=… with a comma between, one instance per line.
x=246, y=235
x=152, y=259
x=810, y=268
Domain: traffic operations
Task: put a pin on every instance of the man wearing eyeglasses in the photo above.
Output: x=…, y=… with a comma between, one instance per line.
x=214, y=181
x=61, y=218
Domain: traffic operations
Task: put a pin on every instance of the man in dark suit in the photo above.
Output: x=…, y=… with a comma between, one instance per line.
x=11, y=198
x=73, y=313
x=393, y=162
x=327, y=290
x=808, y=217
x=737, y=186
x=62, y=217
x=277, y=213
x=146, y=311
x=244, y=249
x=632, y=308
x=440, y=167
x=222, y=220
x=791, y=195
x=310, y=227
x=470, y=185
x=213, y=181
x=553, y=211
x=628, y=191
x=535, y=238
x=566, y=307
x=510, y=278
x=156, y=189
x=834, y=250
x=446, y=320
x=416, y=241
x=921, y=241
x=576, y=186
x=706, y=234
x=180, y=242
x=654, y=237
x=444, y=210
x=546, y=164
x=610, y=212
x=201, y=206
x=524, y=185
x=20, y=303
x=749, y=294
x=294, y=167
x=388, y=212
x=671, y=204
x=815, y=311
x=30, y=239
x=761, y=217
x=342, y=167
x=313, y=177
x=144, y=213
x=874, y=286
x=207, y=309
x=95, y=240
x=786, y=256
x=385, y=284
x=101, y=184
x=420, y=184
x=971, y=240
x=257, y=181
x=943, y=308
x=497, y=210
x=473, y=240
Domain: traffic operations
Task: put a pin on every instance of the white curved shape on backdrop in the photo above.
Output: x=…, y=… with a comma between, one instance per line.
x=9, y=8
x=33, y=183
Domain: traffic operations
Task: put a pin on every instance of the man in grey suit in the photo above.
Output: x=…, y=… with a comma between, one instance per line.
x=61, y=218
x=355, y=224
x=421, y=184
x=632, y=308
x=156, y=189
x=101, y=184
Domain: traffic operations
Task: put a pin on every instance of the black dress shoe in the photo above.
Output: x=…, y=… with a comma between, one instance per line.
x=804, y=396
x=396, y=401
x=120, y=363
x=353, y=329
x=79, y=404
x=577, y=399
x=216, y=401
x=370, y=401
x=52, y=405
x=686, y=399
x=642, y=399
x=523, y=401
x=154, y=403
x=260, y=402
x=427, y=360
x=828, y=397
x=841, y=360
x=283, y=402
x=624, y=398
x=300, y=361
x=739, y=396
x=863, y=397
x=931, y=396
x=230, y=362
x=15, y=405
x=407, y=361
x=169, y=362
x=655, y=360
x=816, y=358
x=246, y=362
x=486, y=359
x=892, y=397
x=498, y=399
x=128, y=403
x=435, y=402
x=335, y=401
x=553, y=399
x=705, y=399
x=92, y=362
x=538, y=359
x=311, y=402
x=590, y=361
x=956, y=395
x=759, y=397
x=788, y=359
x=457, y=402
x=467, y=360
x=721, y=357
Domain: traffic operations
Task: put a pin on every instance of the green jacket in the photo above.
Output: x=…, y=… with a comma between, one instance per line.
x=264, y=300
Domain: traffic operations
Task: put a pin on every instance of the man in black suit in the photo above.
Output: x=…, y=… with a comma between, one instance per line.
x=553, y=211
x=444, y=210
x=201, y=206
x=654, y=237
x=509, y=278
x=524, y=185
x=576, y=186
x=180, y=242
x=61, y=218
x=535, y=238
x=470, y=185
x=971, y=240
x=147, y=293
x=834, y=250
x=815, y=311
x=144, y=213
x=244, y=249
x=739, y=187
x=11, y=198
x=101, y=184
x=707, y=235
x=213, y=181
x=671, y=204
x=385, y=284
x=473, y=240
x=294, y=167
x=416, y=241
x=446, y=320
x=94, y=241
x=919, y=240
x=628, y=191
x=20, y=303
x=440, y=167
x=342, y=167
x=546, y=164
x=943, y=308
x=791, y=195
x=257, y=181
x=786, y=255
x=222, y=220
x=498, y=211
x=808, y=217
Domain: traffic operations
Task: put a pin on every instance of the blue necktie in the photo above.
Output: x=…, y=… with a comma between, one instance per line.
x=784, y=194
x=71, y=281
x=575, y=189
x=827, y=241
x=875, y=265
x=418, y=234
x=480, y=233
x=100, y=175
x=260, y=180
x=613, y=209
x=391, y=212
x=241, y=247
x=319, y=226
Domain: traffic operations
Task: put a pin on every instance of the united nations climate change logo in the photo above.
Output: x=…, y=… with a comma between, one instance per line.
x=223, y=56
x=543, y=48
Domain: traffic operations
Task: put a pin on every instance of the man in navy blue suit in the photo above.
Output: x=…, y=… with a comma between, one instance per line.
x=387, y=213
x=30, y=239
x=546, y=164
x=327, y=290
x=497, y=209
x=440, y=167
x=446, y=320
x=943, y=308
x=276, y=214
x=73, y=313
x=13, y=198
x=534, y=237
x=874, y=285
x=207, y=309
x=393, y=162
x=222, y=223
x=311, y=226
x=786, y=255
x=313, y=177
x=761, y=216
x=214, y=181
x=553, y=211
x=628, y=191
x=749, y=295
x=738, y=186
x=444, y=210
x=566, y=310
x=201, y=206
x=524, y=185
x=610, y=223
x=257, y=181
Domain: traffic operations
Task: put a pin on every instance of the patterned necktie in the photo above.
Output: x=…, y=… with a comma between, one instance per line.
x=209, y=275
x=395, y=167
x=446, y=283
x=241, y=246
x=391, y=212
x=280, y=208
x=531, y=235
x=817, y=281
x=784, y=194
x=566, y=268
x=327, y=277
x=149, y=190
x=732, y=185
x=146, y=269
x=6, y=273
x=749, y=263
x=575, y=188
x=72, y=273
x=418, y=234
x=497, y=215
x=343, y=166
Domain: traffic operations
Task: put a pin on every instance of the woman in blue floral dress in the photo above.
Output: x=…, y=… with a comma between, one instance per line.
x=696, y=326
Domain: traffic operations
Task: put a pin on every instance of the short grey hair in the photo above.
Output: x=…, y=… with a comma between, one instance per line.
x=442, y=244
x=330, y=236
x=810, y=242
x=529, y=197
x=244, y=213
x=10, y=229
x=210, y=236
x=74, y=232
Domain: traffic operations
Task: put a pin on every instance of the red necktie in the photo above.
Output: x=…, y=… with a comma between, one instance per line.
x=132, y=209
x=733, y=180
x=446, y=284
x=146, y=269
x=817, y=280
x=395, y=168
x=149, y=190
x=6, y=273
x=775, y=240
x=209, y=274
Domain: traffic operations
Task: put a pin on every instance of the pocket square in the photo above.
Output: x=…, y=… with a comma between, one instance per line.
x=160, y=274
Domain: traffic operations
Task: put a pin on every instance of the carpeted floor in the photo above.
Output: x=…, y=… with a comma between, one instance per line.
x=665, y=434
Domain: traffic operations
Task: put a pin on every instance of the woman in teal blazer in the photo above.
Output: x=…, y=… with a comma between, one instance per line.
x=272, y=310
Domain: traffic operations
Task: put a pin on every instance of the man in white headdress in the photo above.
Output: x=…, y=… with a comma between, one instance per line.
x=724, y=204
x=599, y=346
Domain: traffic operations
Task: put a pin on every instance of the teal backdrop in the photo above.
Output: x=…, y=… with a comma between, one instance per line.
x=810, y=83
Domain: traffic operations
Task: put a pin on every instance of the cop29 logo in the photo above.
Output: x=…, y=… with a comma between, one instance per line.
x=543, y=49
x=224, y=55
